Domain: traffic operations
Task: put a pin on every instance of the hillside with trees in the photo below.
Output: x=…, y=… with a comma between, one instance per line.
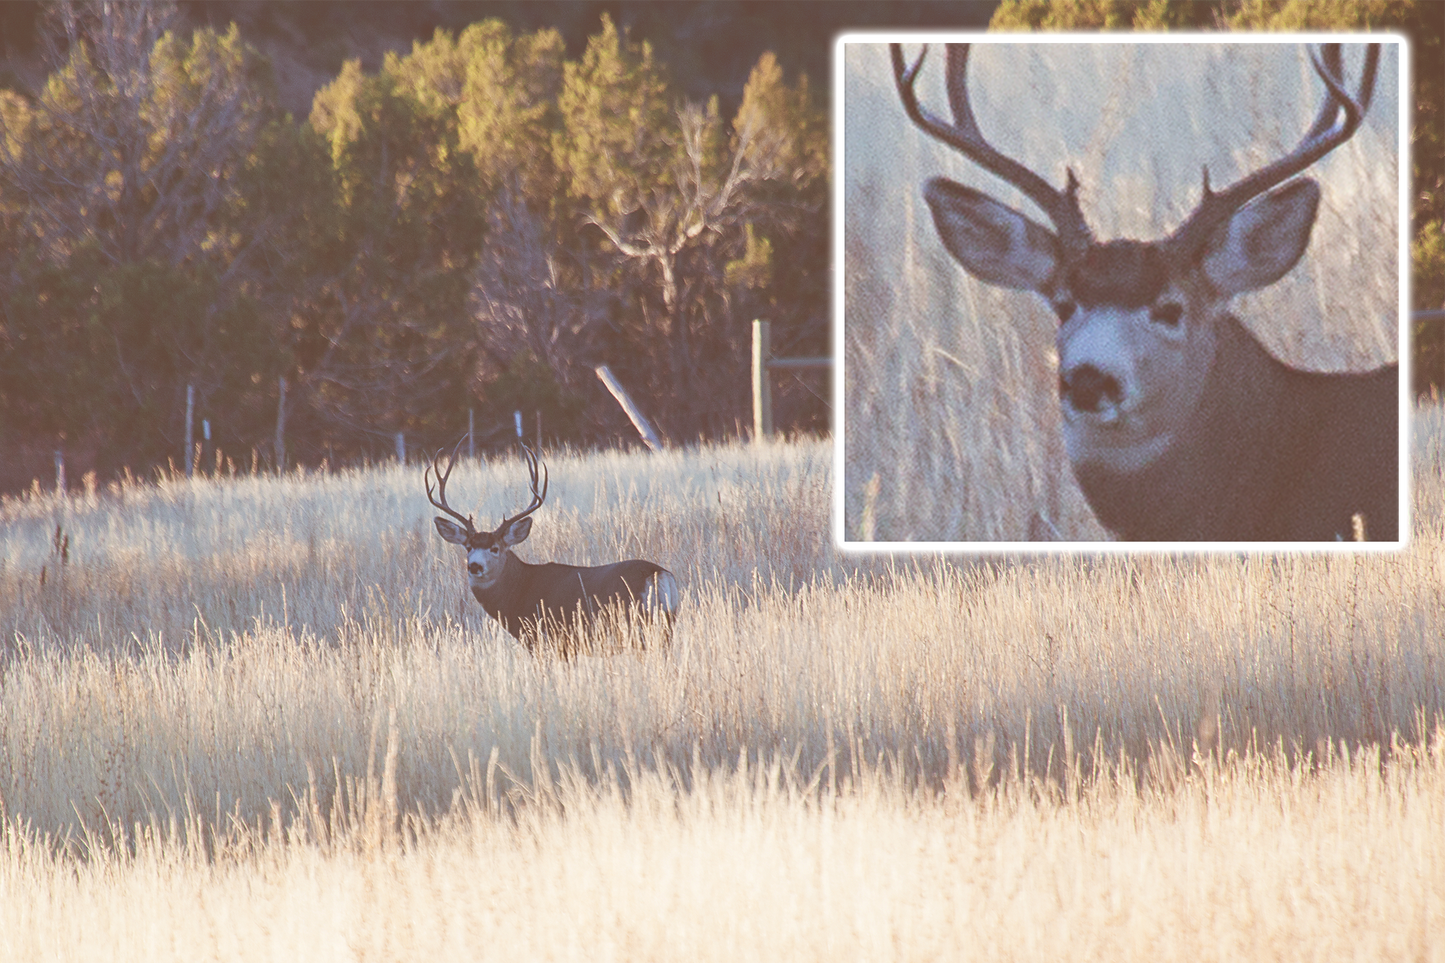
x=467, y=230
x=327, y=224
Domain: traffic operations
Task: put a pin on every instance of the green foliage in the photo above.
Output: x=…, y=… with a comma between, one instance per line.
x=781, y=127
x=1319, y=14
x=380, y=333
x=98, y=354
x=502, y=90
x=617, y=113
x=691, y=207
x=420, y=241
x=1102, y=15
x=133, y=267
x=781, y=268
x=135, y=147
x=755, y=268
x=1427, y=264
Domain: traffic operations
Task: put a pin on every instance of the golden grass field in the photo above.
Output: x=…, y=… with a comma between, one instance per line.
x=261, y=718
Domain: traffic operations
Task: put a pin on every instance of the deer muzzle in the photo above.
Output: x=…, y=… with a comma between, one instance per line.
x=1087, y=390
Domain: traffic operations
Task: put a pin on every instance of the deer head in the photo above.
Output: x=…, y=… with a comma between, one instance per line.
x=486, y=551
x=1141, y=322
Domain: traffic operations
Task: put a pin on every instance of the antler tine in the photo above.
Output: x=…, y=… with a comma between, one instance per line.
x=537, y=497
x=1328, y=131
x=964, y=136
x=442, y=484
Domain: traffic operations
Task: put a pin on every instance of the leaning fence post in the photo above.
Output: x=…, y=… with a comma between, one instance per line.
x=633, y=412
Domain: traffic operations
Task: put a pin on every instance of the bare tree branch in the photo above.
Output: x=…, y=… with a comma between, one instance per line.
x=521, y=300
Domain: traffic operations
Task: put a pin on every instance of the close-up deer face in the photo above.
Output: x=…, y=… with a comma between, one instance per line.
x=1137, y=320
x=1177, y=421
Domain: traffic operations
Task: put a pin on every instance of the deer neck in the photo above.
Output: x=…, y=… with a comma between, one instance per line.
x=1219, y=480
x=501, y=599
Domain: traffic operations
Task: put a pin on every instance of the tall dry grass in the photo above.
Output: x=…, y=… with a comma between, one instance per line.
x=951, y=422
x=260, y=717
x=1262, y=860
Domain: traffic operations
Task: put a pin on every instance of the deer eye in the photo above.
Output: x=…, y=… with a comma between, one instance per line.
x=1065, y=310
x=1167, y=313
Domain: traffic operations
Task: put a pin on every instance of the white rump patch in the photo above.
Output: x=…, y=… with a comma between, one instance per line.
x=660, y=594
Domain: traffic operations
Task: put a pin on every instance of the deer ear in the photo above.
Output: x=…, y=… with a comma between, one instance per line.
x=994, y=243
x=1264, y=239
x=517, y=532
x=451, y=531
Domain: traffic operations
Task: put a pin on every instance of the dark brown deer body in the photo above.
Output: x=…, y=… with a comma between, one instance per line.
x=525, y=596
x=1179, y=424
x=561, y=603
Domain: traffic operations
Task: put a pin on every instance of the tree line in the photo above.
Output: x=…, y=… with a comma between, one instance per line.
x=470, y=229
x=467, y=230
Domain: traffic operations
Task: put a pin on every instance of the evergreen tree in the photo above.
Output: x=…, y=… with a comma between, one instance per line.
x=132, y=256
x=673, y=189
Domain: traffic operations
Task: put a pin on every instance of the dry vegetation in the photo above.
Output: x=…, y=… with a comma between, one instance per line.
x=259, y=718
x=951, y=409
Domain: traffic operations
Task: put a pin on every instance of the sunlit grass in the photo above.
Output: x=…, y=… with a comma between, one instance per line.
x=261, y=717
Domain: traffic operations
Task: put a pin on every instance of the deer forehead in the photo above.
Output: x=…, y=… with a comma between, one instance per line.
x=1124, y=274
x=484, y=542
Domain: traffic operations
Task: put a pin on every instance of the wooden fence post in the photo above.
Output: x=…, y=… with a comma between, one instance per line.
x=281, y=429
x=763, y=362
x=762, y=390
x=634, y=413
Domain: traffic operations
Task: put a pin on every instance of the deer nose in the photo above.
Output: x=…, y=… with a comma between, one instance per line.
x=1086, y=386
x=474, y=568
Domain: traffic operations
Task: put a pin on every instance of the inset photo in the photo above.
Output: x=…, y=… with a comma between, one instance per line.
x=1116, y=293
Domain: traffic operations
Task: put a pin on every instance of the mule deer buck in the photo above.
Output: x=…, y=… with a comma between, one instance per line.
x=1178, y=423
x=552, y=600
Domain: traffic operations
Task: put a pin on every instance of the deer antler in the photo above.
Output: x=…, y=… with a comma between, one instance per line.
x=537, y=497
x=442, y=485
x=1322, y=137
x=964, y=136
